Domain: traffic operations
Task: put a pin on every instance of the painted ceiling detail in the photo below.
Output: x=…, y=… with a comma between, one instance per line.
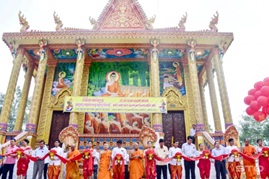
x=171, y=53
x=117, y=53
x=201, y=54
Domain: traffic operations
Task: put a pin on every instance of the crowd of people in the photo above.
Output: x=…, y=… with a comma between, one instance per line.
x=119, y=164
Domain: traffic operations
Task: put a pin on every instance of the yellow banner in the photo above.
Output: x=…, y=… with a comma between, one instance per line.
x=115, y=104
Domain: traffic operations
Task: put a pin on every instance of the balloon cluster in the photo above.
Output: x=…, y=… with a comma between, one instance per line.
x=258, y=100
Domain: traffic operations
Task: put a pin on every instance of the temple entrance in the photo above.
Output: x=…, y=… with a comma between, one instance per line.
x=174, y=127
x=59, y=121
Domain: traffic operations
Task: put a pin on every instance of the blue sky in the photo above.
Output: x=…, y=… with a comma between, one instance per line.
x=245, y=63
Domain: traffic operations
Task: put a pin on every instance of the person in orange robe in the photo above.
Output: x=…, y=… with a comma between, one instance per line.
x=249, y=165
x=112, y=87
x=23, y=162
x=204, y=164
x=104, y=165
x=136, y=163
x=72, y=170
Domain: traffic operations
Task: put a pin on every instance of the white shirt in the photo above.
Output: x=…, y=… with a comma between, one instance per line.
x=121, y=151
x=38, y=152
x=96, y=157
x=229, y=150
x=56, y=160
x=192, y=132
x=218, y=151
x=47, y=160
x=189, y=150
x=128, y=159
x=162, y=153
x=258, y=149
x=172, y=152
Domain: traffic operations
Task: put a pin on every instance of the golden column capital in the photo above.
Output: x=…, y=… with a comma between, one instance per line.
x=222, y=89
x=24, y=97
x=11, y=90
x=213, y=96
x=155, y=82
x=81, y=53
x=37, y=96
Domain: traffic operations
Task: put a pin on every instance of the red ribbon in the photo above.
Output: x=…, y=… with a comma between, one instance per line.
x=151, y=163
x=54, y=152
x=20, y=151
x=118, y=157
x=87, y=158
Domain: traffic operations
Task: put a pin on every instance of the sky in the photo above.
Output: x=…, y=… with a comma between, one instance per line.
x=245, y=62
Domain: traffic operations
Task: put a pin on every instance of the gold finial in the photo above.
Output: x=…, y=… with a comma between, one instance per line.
x=23, y=22
x=182, y=21
x=57, y=21
x=214, y=22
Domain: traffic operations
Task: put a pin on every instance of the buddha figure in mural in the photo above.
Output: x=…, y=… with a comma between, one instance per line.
x=61, y=83
x=112, y=85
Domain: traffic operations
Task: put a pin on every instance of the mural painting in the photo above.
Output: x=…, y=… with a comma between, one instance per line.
x=63, y=77
x=172, y=74
x=122, y=79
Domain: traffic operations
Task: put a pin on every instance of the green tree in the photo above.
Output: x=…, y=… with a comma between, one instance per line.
x=14, y=108
x=249, y=128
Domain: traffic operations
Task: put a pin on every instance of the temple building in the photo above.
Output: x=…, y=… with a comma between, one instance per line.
x=122, y=55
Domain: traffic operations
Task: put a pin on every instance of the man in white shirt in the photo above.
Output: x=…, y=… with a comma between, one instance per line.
x=163, y=153
x=193, y=133
x=95, y=163
x=46, y=161
x=40, y=152
x=219, y=165
x=234, y=166
x=54, y=168
x=117, y=171
x=175, y=164
x=189, y=150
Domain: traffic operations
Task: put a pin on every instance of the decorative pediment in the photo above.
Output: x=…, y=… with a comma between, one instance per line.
x=58, y=100
x=123, y=14
x=175, y=100
x=231, y=132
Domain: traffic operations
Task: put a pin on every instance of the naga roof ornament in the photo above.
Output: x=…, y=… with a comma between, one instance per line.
x=182, y=21
x=214, y=22
x=57, y=21
x=23, y=22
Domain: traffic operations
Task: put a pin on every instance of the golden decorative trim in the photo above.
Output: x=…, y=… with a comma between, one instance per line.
x=175, y=100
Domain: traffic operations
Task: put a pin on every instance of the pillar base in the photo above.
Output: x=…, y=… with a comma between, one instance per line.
x=3, y=127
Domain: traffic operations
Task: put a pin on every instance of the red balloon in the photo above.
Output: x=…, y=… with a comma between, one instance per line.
x=266, y=81
x=249, y=99
x=265, y=91
x=262, y=101
x=252, y=92
x=249, y=111
x=254, y=106
x=259, y=116
x=258, y=85
x=257, y=94
x=266, y=110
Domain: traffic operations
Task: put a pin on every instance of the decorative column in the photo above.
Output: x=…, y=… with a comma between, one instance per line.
x=37, y=96
x=24, y=97
x=84, y=87
x=45, y=110
x=73, y=121
x=155, y=84
x=194, y=87
x=213, y=96
x=222, y=89
x=202, y=93
x=10, y=91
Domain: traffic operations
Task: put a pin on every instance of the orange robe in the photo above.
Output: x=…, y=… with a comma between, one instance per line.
x=136, y=165
x=54, y=171
x=104, y=173
x=113, y=88
x=61, y=83
x=72, y=170
x=249, y=165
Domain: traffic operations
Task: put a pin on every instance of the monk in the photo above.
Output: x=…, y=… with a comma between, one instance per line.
x=23, y=162
x=104, y=165
x=103, y=127
x=112, y=86
x=249, y=165
x=234, y=166
x=204, y=164
x=136, y=163
x=72, y=169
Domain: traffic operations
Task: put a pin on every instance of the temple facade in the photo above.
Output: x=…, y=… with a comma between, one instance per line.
x=145, y=62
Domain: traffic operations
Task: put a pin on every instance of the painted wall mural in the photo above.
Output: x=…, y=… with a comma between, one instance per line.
x=130, y=79
x=172, y=74
x=105, y=53
x=63, y=77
